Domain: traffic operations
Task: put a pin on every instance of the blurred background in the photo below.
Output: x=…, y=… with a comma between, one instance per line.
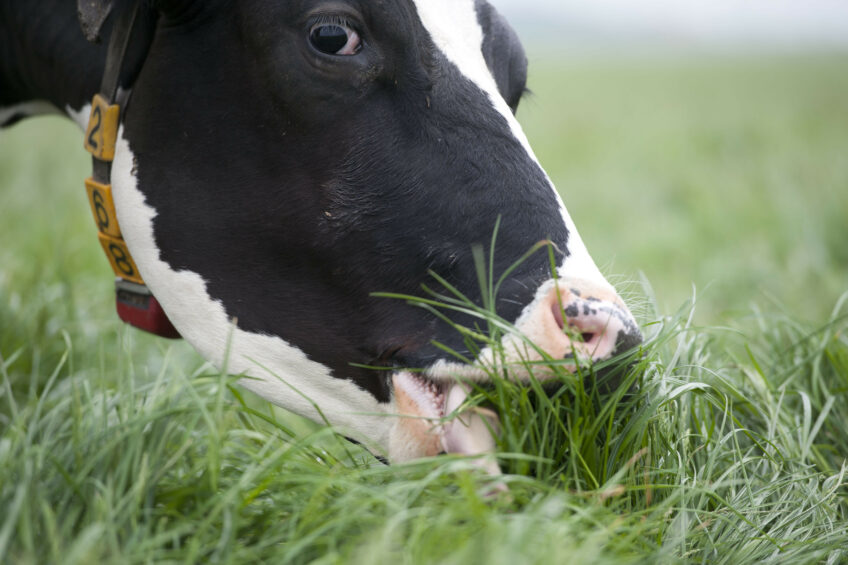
x=701, y=142
x=692, y=24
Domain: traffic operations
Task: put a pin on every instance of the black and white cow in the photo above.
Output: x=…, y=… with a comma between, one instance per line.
x=281, y=160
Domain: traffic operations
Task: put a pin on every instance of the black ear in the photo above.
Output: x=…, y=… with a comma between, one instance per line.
x=180, y=10
x=504, y=54
x=91, y=15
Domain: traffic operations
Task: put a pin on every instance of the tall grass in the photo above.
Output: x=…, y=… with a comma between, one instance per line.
x=691, y=458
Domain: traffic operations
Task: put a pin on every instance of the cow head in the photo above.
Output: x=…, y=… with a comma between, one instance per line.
x=282, y=161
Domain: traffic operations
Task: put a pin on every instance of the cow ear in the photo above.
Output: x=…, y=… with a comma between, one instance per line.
x=504, y=54
x=92, y=14
x=177, y=10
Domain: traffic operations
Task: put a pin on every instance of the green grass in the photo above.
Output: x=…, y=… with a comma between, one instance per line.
x=117, y=447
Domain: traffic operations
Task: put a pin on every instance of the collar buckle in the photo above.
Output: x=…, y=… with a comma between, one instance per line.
x=137, y=306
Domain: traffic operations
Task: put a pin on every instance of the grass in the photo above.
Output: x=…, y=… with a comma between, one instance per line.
x=117, y=447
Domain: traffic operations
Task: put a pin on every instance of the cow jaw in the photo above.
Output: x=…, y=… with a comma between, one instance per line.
x=422, y=429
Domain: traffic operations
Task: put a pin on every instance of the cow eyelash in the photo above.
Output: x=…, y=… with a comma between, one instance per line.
x=331, y=20
x=334, y=20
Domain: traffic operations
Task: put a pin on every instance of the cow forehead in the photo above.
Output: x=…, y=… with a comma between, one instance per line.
x=454, y=28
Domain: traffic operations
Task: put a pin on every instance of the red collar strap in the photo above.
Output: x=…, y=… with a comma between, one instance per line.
x=135, y=303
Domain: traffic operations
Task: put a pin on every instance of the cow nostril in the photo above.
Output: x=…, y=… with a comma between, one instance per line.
x=574, y=328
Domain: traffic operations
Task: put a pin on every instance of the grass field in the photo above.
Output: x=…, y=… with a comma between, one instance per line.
x=727, y=174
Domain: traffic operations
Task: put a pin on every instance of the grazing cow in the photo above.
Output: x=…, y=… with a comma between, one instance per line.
x=278, y=162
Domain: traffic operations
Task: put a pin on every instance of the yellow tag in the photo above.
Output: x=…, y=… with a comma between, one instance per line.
x=103, y=207
x=102, y=131
x=120, y=258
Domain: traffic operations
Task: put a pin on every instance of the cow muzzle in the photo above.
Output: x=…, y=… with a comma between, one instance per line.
x=571, y=322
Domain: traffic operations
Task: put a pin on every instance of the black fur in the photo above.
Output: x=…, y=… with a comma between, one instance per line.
x=297, y=183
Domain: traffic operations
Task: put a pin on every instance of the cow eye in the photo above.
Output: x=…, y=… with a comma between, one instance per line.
x=335, y=38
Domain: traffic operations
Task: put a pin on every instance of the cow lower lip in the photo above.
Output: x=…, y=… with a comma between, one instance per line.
x=426, y=403
x=427, y=395
x=472, y=431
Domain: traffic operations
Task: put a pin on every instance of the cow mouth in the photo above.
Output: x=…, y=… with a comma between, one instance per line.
x=435, y=416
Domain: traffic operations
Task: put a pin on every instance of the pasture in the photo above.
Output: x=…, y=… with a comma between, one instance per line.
x=729, y=174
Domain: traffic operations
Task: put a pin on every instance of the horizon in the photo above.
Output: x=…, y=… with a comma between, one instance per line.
x=782, y=24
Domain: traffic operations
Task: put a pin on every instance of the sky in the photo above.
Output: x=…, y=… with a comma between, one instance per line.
x=779, y=23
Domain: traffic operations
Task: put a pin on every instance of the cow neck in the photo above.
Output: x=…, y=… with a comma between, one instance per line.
x=134, y=302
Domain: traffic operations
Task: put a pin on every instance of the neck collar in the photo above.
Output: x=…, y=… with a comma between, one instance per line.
x=135, y=304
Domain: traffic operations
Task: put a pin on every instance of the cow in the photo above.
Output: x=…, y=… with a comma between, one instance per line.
x=279, y=162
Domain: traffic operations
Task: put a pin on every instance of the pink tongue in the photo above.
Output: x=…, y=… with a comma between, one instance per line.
x=470, y=433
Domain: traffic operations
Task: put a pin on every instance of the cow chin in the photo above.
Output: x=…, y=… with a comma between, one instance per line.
x=431, y=420
x=416, y=432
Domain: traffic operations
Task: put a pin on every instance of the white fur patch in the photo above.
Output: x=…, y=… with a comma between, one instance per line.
x=456, y=32
x=79, y=117
x=279, y=372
